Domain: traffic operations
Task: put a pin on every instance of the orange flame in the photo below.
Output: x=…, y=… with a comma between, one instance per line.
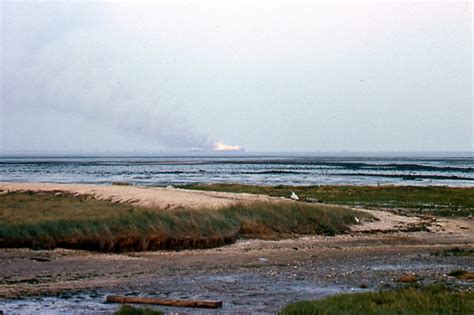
x=221, y=146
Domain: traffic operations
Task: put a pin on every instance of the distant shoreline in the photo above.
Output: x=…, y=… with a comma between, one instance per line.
x=217, y=154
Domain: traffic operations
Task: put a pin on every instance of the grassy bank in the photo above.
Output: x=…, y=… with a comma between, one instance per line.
x=442, y=201
x=45, y=220
x=427, y=301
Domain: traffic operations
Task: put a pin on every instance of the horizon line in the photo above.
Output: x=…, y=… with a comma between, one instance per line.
x=213, y=153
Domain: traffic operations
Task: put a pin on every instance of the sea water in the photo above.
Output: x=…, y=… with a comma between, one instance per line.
x=245, y=169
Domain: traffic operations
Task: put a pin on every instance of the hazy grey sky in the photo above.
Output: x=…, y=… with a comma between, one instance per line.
x=266, y=76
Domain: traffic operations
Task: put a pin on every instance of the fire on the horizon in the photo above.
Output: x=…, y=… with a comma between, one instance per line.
x=221, y=146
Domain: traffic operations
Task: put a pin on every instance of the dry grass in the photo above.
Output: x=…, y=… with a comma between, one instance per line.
x=47, y=220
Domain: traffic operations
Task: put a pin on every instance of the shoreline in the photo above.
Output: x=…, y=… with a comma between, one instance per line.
x=253, y=170
x=256, y=276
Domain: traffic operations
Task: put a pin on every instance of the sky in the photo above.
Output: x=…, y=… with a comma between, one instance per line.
x=265, y=76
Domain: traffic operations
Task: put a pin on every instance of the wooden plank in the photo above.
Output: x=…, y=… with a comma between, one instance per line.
x=179, y=303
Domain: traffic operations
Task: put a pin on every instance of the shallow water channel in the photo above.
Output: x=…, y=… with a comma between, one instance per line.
x=261, y=297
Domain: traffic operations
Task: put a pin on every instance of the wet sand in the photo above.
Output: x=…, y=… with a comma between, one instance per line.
x=250, y=276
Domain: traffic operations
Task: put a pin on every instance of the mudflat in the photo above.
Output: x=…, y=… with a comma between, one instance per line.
x=250, y=276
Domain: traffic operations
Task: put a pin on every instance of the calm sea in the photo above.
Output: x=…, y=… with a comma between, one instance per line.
x=264, y=170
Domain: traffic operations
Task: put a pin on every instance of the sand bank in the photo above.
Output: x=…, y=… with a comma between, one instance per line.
x=152, y=197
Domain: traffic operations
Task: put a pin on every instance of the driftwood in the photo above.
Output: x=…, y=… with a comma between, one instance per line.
x=180, y=303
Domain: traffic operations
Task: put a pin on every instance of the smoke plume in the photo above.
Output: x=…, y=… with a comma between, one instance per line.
x=114, y=79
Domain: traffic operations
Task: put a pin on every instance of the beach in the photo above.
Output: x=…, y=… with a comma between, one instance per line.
x=251, y=275
x=236, y=157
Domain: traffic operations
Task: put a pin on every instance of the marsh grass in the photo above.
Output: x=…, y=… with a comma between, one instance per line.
x=48, y=220
x=414, y=301
x=131, y=310
x=433, y=200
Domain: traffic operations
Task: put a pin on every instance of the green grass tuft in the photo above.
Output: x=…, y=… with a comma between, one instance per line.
x=410, y=301
x=130, y=310
x=433, y=200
